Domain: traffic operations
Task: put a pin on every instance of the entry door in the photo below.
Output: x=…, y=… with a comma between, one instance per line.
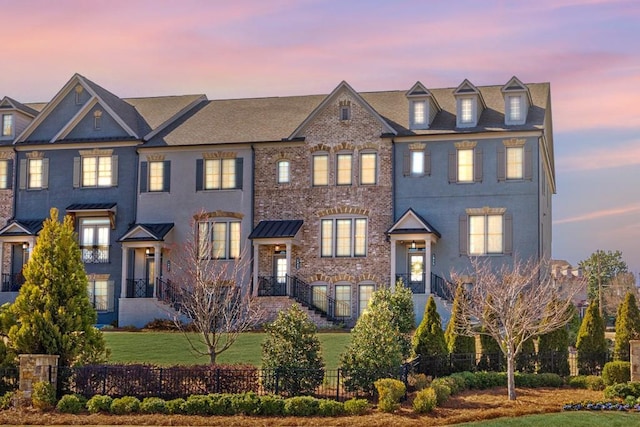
x=150, y=273
x=280, y=268
x=416, y=270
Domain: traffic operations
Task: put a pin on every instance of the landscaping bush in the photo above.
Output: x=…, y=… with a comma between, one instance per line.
x=125, y=405
x=616, y=372
x=175, y=406
x=356, y=406
x=627, y=327
x=485, y=380
x=153, y=405
x=449, y=382
x=43, y=396
x=425, y=401
x=271, y=405
x=301, y=406
x=221, y=404
x=5, y=400
x=591, y=343
x=429, y=342
x=99, y=403
x=457, y=382
x=71, y=404
x=390, y=391
x=197, y=404
x=245, y=403
x=461, y=348
x=526, y=359
x=418, y=381
x=469, y=378
x=553, y=349
x=621, y=391
x=443, y=392
x=330, y=408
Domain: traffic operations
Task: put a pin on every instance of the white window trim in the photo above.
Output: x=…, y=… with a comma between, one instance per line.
x=283, y=176
x=325, y=176
x=375, y=171
x=222, y=173
x=231, y=246
x=486, y=213
x=354, y=241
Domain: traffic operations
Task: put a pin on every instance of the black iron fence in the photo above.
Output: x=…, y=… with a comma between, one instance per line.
x=416, y=282
x=11, y=282
x=139, y=288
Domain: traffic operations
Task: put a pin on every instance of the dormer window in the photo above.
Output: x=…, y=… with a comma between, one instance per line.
x=516, y=102
x=466, y=110
x=97, y=120
x=515, y=108
x=422, y=107
x=7, y=124
x=469, y=105
x=419, y=113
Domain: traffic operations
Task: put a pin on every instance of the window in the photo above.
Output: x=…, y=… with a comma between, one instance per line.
x=7, y=124
x=419, y=113
x=345, y=112
x=368, y=167
x=319, y=296
x=5, y=174
x=35, y=173
x=364, y=296
x=283, y=172
x=343, y=300
x=96, y=171
x=344, y=165
x=343, y=237
x=466, y=110
x=515, y=162
x=219, y=174
x=155, y=176
x=320, y=169
x=101, y=294
x=94, y=240
x=417, y=162
x=515, y=108
x=485, y=234
x=219, y=239
x=465, y=165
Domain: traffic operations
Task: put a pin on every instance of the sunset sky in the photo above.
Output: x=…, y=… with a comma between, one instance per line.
x=588, y=50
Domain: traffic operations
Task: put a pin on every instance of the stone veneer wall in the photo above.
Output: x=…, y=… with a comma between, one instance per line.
x=300, y=200
x=634, y=346
x=6, y=213
x=35, y=368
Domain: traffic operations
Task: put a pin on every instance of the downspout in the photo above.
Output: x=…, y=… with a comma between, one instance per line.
x=253, y=198
x=392, y=280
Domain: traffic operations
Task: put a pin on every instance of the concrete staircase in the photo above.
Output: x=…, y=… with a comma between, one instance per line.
x=273, y=305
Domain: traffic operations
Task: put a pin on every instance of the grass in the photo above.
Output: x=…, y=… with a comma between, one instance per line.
x=566, y=419
x=173, y=348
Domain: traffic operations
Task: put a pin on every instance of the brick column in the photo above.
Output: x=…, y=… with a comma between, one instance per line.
x=35, y=368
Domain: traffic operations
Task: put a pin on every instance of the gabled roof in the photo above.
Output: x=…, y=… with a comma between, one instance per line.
x=342, y=86
x=147, y=232
x=515, y=85
x=411, y=222
x=22, y=227
x=468, y=88
x=10, y=103
x=271, y=229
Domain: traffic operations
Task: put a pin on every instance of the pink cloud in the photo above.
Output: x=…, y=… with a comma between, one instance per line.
x=589, y=159
x=604, y=213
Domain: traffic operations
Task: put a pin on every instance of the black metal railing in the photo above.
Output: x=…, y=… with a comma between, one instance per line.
x=168, y=292
x=11, y=282
x=95, y=254
x=139, y=288
x=416, y=282
x=272, y=286
x=441, y=288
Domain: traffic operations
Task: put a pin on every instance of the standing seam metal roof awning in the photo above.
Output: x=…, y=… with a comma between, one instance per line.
x=276, y=229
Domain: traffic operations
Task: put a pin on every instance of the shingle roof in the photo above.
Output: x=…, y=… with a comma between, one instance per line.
x=32, y=227
x=270, y=229
x=20, y=107
x=156, y=232
x=158, y=110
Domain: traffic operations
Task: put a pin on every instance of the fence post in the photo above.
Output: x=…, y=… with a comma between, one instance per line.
x=160, y=390
x=338, y=386
x=218, y=380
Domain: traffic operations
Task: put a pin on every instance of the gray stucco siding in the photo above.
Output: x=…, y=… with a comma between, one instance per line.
x=109, y=128
x=57, y=118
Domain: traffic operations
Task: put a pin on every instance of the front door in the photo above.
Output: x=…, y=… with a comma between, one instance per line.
x=416, y=272
x=280, y=273
x=150, y=273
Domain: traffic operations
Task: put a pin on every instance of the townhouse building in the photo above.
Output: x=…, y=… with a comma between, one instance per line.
x=324, y=198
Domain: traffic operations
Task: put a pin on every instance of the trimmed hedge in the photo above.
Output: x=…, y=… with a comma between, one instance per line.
x=616, y=372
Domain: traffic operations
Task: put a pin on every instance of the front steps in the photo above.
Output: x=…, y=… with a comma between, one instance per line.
x=273, y=305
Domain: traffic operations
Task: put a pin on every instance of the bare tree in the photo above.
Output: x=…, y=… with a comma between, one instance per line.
x=524, y=304
x=614, y=294
x=212, y=294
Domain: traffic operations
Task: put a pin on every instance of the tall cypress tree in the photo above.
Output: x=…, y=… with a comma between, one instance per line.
x=491, y=358
x=428, y=341
x=591, y=343
x=627, y=326
x=462, y=348
x=53, y=313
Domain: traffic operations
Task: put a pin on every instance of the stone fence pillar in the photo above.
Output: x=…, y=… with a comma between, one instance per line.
x=634, y=347
x=35, y=368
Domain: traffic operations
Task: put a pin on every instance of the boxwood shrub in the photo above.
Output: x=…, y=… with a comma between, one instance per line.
x=425, y=401
x=356, y=406
x=71, y=404
x=99, y=403
x=301, y=406
x=125, y=405
x=616, y=372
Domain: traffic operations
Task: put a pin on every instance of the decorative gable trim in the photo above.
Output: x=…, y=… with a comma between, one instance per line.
x=412, y=222
x=515, y=88
x=329, y=99
x=466, y=90
x=419, y=94
x=35, y=155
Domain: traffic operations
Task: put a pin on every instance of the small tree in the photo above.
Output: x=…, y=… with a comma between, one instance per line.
x=211, y=295
x=374, y=351
x=429, y=342
x=591, y=343
x=401, y=303
x=292, y=351
x=627, y=326
x=600, y=269
x=52, y=313
x=553, y=348
x=462, y=348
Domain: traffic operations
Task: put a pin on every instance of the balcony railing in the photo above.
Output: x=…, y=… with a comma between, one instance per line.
x=11, y=282
x=415, y=282
x=95, y=254
x=139, y=288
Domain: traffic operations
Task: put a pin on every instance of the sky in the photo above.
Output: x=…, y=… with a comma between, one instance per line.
x=588, y=50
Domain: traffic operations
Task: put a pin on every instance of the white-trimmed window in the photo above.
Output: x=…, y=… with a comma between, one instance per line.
x=417, y=162
x=465, y=165
x=94, y=240
x=35, y=173
x=343, y=300
x=101, y=294
x=486, y=234
x=219, y=174
x=5, y=174
x=515, y=162
x=466, y=110
x=368, y=168
x=320, y=170
x=364, y=296
x=283, y=171
x=7, y=124
x=319, y=296
x=344, y=168
x=219, y=239
x=419, y=118
x=96, y=171
x=343, y=237
x=156, y=176
x=515, y=108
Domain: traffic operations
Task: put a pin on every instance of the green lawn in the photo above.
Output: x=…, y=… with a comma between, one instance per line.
x=172, y=348
x=566, y=419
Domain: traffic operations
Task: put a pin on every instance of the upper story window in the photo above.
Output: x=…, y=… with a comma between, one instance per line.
x=486, y=231
x=515, y=162
x=283, y=172
x=516, y=102
x=95, y=168
x=155, y=176
x=6, y=169
x=465, y=163
x=78, y=94
x=343, y=237
x=320, y=170
x=345, y=110
x=97, y=120
x=94, y=240
x=419, y=113
x=219, y=239
x=7, y=125
x=368, y=168
x=515, y=108
x=34, y=171
x=216, y=172
x=466, y=110
x=344, y=167
x=417, y=160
